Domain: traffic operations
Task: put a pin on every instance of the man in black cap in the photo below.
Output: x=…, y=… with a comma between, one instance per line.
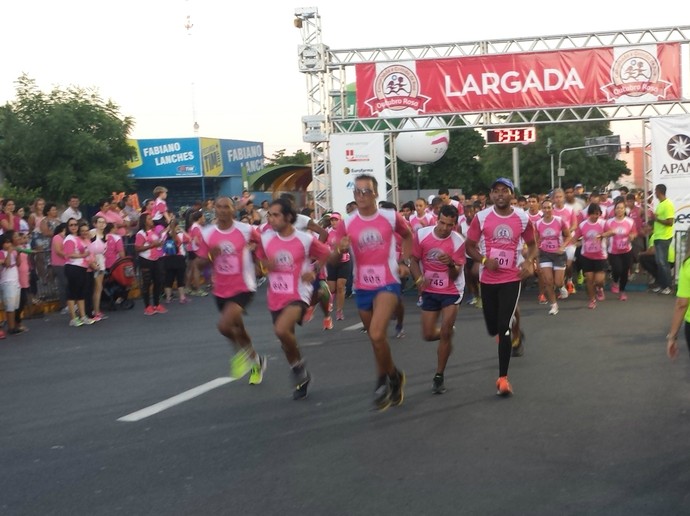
x=503, y=231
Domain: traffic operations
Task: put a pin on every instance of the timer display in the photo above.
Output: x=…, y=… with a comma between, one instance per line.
x=511, y=135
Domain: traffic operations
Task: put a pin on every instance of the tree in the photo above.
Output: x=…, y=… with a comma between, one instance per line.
x=458, y=168
x=535, y=160
x=68, y=141
x=298, y=158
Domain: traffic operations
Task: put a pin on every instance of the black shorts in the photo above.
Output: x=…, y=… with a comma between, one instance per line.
x=340, y=271
x=276, y=313
x=243, y=299
x=590, y=265
x=432, y=302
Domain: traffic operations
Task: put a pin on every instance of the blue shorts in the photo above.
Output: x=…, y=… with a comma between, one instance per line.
x=365, y=298
x=432, y=302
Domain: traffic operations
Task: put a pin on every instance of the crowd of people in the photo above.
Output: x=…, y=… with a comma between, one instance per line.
x=480, y=250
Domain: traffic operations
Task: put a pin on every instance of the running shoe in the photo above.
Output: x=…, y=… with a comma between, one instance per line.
x=580, y=278
x=438, y=387
x=160, y=309
x=399, y=332
x=656, y=289
x=623, y=297
x=17, y=331
x=563, y=293
x=87, y=320
x=518, y=348
x=308, y=314
x=257, y=372
x=554, y=309
x=592, y=304
x=328, y=323
x=185, y=300
x=666, y=291
x=382, y=394
x=600, y=294
x=397, y=382
x=570, y=287
x=615, y=289
x=149, y=310
x=471, y=300
x=240, y=364
x=302, y=379
x=503, y=387
x=76, y=322
x=339, y=315
x=542, y=299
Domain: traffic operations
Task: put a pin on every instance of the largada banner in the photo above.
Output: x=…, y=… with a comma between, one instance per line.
x=671, y=162
x=188, y=157
x=353, y=155
x=611, y=75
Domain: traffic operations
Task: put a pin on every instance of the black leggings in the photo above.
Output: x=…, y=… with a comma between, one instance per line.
x=499, y=303
x=620, y=267
x=151, y=274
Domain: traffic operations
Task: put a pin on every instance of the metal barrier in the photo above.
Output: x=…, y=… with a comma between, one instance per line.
x=680, y=246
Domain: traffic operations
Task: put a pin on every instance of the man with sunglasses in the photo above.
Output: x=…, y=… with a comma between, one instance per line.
x=369, y=235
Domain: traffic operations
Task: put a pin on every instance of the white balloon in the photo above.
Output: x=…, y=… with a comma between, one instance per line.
x=422, y=147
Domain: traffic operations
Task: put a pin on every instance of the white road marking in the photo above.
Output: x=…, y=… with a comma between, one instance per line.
x=175, y=400
x=357, y=326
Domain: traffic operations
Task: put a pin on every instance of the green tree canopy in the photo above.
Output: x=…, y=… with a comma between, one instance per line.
x=280, y=158
x=68, y=141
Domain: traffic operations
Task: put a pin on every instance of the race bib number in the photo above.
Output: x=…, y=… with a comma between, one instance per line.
x=227, y=264
x=282, y=282
x=437, y=279
x=593, y=246
x=373, y=276
x=504, y=258
x=622, y=244
x=550, y=246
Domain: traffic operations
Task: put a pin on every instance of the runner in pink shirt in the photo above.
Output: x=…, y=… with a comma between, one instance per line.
x=147, y=243
x=566, y=213
x=338, y=274
x=593, y=253
x=553, y=235
x=369, y=235
x=621, y=232
x=438, y=258
x=287, y=254
x=228, y=246
x=422, y=217
x=501, y=231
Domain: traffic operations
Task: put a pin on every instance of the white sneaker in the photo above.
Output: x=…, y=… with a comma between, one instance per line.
x=554, y=309
x=563, y=293
x=666, y=291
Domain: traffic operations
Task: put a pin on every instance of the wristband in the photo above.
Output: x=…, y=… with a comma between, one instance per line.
x=672, y=337
x=483, y=260
x=418, y=280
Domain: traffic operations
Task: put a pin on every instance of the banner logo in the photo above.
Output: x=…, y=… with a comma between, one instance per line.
x=678, y=147
x=635, y=73
x=397, y=88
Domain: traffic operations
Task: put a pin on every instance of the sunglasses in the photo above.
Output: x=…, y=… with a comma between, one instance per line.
x=363, y=191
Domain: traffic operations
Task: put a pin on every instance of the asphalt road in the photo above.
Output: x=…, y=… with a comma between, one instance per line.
x=599, y=422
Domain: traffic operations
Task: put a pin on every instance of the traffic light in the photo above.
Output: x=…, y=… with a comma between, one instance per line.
x=627, y=147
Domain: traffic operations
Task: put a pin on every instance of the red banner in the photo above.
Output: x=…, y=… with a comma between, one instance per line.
x=616, y=75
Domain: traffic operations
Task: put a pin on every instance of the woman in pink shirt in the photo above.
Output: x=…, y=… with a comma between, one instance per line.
x=593, y=254
x=621, y=232
x=76, y=251
x=57, y=263
x=553, y=236
x=148, y=243
x=97, y=247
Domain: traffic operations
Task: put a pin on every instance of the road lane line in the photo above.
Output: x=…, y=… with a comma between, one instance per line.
x=175, y=400
x=357, y=326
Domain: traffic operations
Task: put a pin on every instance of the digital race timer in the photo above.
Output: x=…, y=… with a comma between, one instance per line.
x=511, y=135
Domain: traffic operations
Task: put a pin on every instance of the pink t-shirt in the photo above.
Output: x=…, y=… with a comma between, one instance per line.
x=619, y=243
x=97, y=249
x=114, y=218
x=427, y=247
x=23, y=269
x=233, y=269
x=550, y=234
x=75, y=245
x=567, y=214
x=291, y=257
x=195, y=237
x=56, y=259
x=593, y=247
x=113, y=249
x=147, y=238
x=9, y=274
x=534, y=218
x=373, y=247
x=158, y=210
x=501, y=237
x=417, y=222
x=332, y=240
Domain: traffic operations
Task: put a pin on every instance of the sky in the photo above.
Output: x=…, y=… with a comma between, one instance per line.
x=234, y=72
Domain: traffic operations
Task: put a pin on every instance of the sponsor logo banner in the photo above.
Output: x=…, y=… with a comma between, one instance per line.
x=671, y=163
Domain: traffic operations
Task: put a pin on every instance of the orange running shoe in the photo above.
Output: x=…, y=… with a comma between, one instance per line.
x=542, y=299
x=503, y=387
x=570, y=287
x=328, y=323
